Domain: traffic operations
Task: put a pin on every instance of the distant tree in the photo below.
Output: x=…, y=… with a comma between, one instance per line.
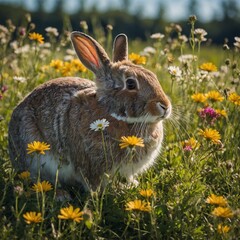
x=230, y=9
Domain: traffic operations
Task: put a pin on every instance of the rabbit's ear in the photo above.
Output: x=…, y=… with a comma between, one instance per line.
x=89, y=51
x=120, y=48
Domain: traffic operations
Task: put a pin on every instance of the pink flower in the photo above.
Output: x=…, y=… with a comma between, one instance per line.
x=209, y=114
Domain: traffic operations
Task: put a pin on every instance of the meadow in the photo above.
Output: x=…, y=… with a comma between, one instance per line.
x=193, y=190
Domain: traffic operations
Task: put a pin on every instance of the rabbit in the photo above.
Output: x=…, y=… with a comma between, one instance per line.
x=59, y=112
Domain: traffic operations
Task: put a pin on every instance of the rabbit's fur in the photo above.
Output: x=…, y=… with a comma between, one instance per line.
x=60, y=111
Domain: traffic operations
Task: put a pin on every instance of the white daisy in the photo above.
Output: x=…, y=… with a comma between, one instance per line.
x=175, y=71
x=19, y=79
x=99, y=125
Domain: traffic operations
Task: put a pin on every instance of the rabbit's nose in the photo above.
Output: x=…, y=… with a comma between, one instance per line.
x=165, y=111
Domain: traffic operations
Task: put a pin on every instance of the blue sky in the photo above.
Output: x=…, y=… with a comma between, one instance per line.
x=174, y=9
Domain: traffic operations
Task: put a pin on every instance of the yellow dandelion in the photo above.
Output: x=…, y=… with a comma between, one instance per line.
x=234, y=98
x=69, y=213
x=209, y=67
x=56, y=64
x=146, y=192
x=137, y=59
x=191, y=143
x=24, y=175
x=210, y=134
x=221, y=112
x=38, y=147
x=76, y=64
x=67, y=69
x=44, y=186
x=131, y=141
x=32, y=217
x=215, y=96
x=223, y=212
x=138, y=205
x=216, y=200
x=36, y=37
x=199, y=97
x=223, y=229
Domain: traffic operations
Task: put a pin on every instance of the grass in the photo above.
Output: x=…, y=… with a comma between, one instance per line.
x=186, y=173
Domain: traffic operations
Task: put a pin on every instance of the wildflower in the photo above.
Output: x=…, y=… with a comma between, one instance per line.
x=174, y=71
x=216, y=200
x=32, y=217
x=67, y=69
x=83, y=25
x=44, y=186
x=223, y=229
x=18, y=190
x=209, y=67
x=237, y=43
x=157, y=36
x=37, y=37
x=210, y=134
x=149, y=51
x=215, y=96
x=38, y=147
x=234, y=98
x=190, y=144
x=221, y=112
x=99, y=125
x=24, y=175
x=187, y=58
x=138, y=205
x=200, y=34
x=69, y=213
x=52, y=31
x=223, y=212
x=19, y=79
x=57, y=64
x=199, y=97
x=146, y=192
x=77, y=65
x=137, y=59
x=131, y=141
x=208, y=113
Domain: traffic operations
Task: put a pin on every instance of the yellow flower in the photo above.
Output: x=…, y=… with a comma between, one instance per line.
x=57, y=64
x=191, y=143
x=138, y=205
x=215, y=96
x=131, y=141
x=209, y=67
x=44, y=186
x=223, y=212
x=69, y=213
x=38, y=147
x=216, y=200
x=137, y=59
x=24, y=175
x=67, y=69
x=221, y=112
x=146, y=192
x=223, y=229
x=234, y=98
x=32, y=217
x=199, y=97
x=210, y=134
x=37, y=37
x=76, y=64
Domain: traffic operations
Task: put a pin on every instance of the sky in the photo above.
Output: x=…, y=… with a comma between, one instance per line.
x=174, y=9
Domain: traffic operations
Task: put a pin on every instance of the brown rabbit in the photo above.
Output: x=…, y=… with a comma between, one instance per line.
x=60, y=111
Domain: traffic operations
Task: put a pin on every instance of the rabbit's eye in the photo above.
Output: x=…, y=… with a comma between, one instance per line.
x=131, y=84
